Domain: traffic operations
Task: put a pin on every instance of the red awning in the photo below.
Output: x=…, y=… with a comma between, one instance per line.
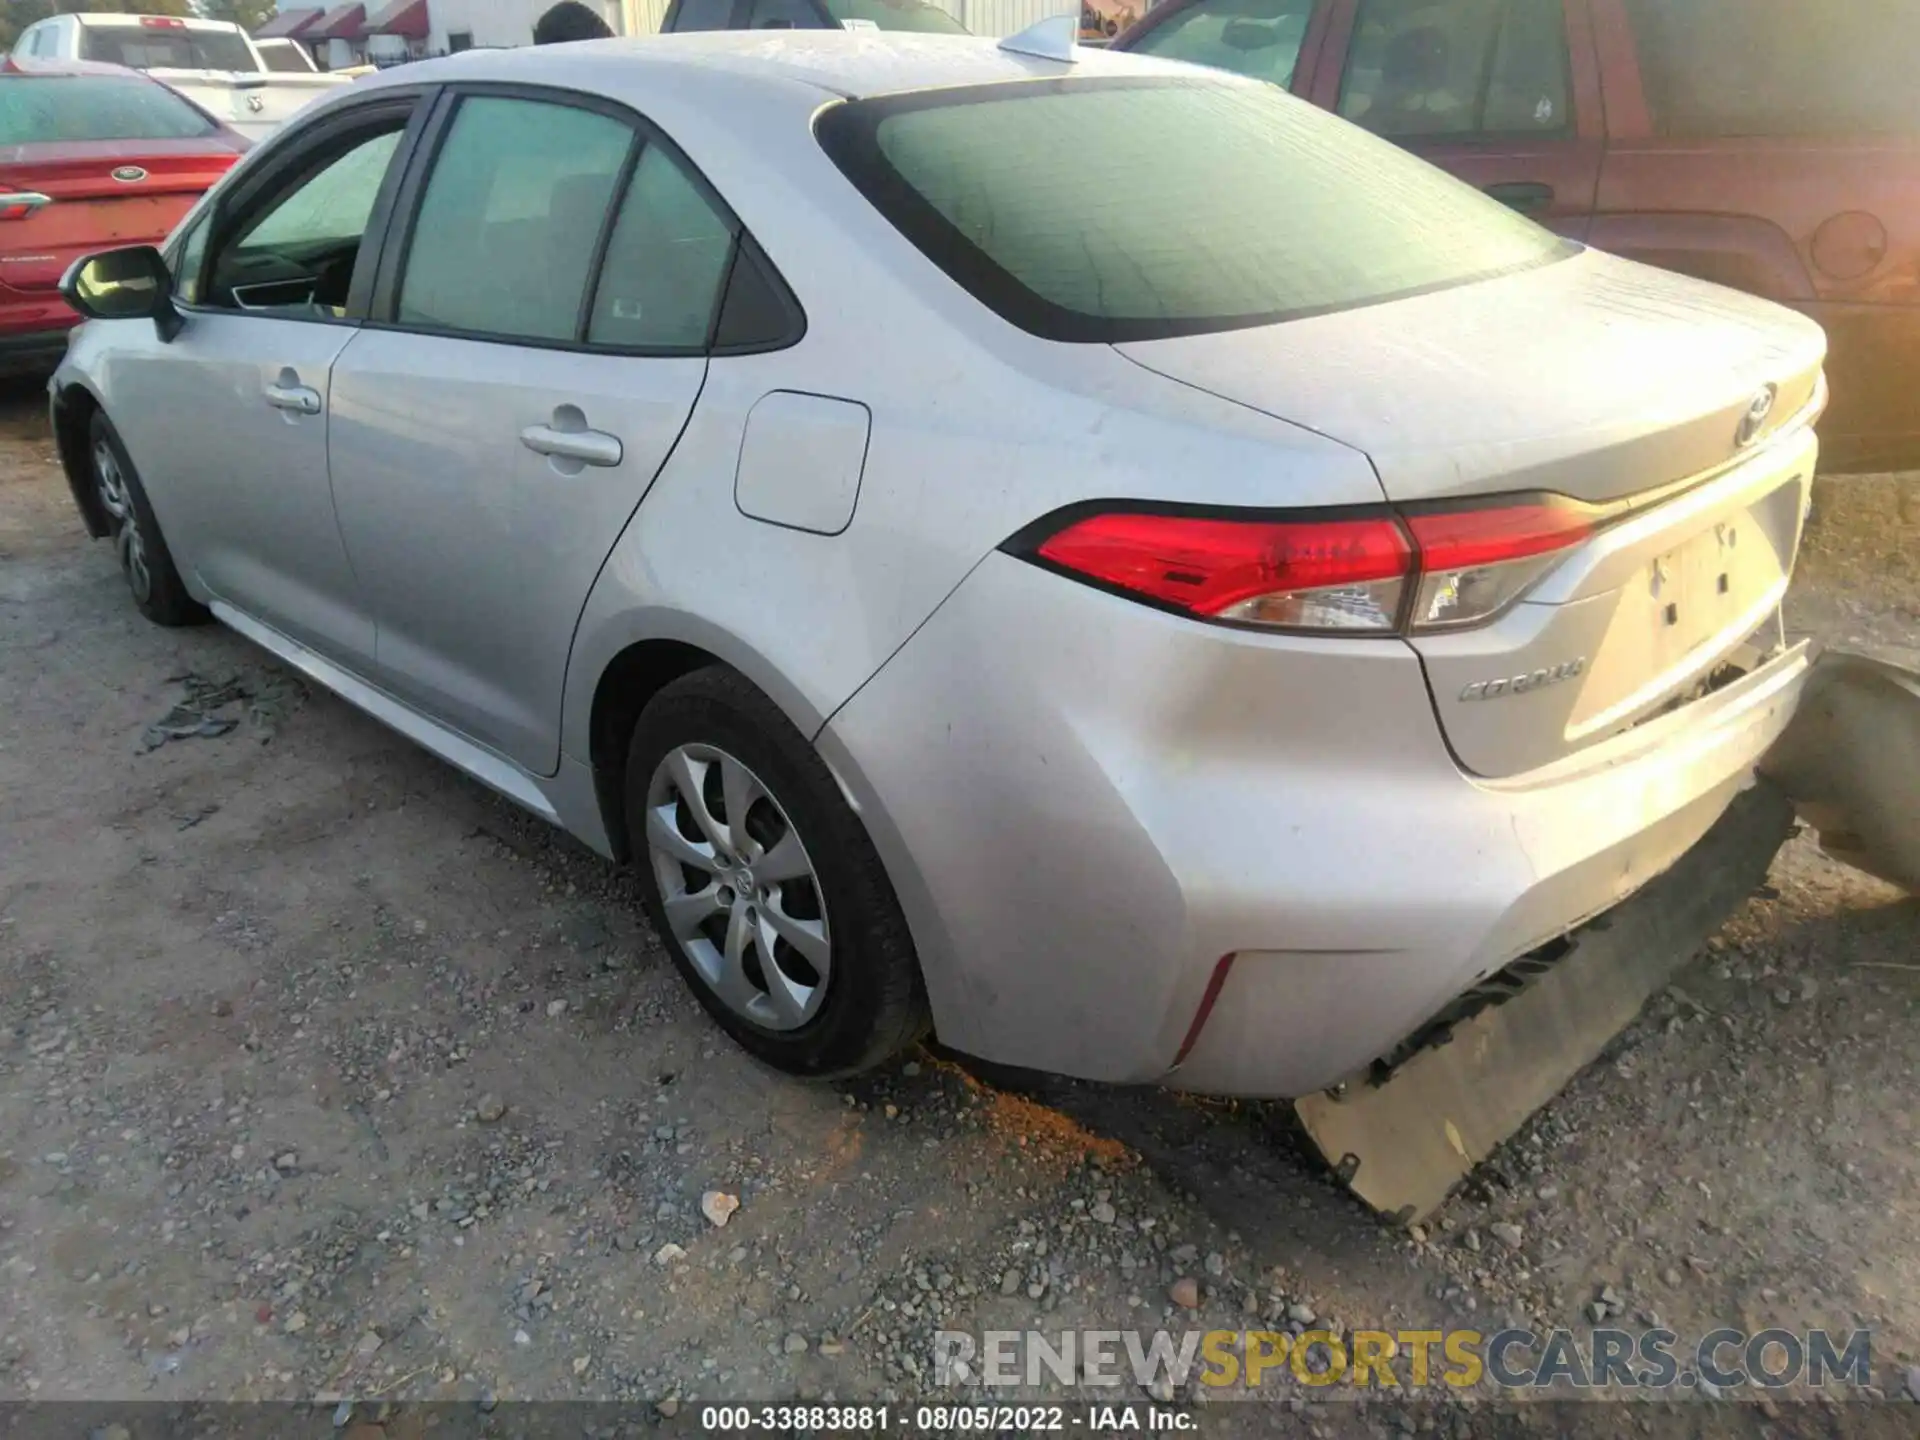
x=343, y=22
x=289, y=24
x=405, y=18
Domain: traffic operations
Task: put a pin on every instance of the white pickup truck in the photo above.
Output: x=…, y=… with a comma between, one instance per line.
x=212, y=62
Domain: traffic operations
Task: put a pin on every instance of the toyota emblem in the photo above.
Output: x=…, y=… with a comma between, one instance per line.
x=256, y=104
x=129, y=174
x=1755, y=420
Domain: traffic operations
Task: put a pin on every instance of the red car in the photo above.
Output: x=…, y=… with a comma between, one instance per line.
x=1769, y=145
x=91, y=157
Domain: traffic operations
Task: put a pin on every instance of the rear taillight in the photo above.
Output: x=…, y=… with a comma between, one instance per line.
x=163, y=22
x=1475, y=563
x=1347, y=574
x=1365, y=573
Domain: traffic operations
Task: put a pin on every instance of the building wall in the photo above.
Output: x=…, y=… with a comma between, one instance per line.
x=643, y=17
x=1004, y=17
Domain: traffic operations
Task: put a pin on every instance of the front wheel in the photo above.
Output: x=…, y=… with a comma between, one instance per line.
x=763, y=884
x=157, y=589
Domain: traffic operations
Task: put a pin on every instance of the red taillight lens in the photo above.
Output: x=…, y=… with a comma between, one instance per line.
x=1345, y=574
x=1339, y=573
x=1475, y=563
x=163, y=22
x=19, y=204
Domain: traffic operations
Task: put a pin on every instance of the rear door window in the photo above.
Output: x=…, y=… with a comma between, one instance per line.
x=504, y=242
x=666, y=260
x=1458, y=69
x=1732, y=68
x=1257, y=38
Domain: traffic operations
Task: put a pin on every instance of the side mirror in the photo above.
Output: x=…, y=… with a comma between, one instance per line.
x=128, y=284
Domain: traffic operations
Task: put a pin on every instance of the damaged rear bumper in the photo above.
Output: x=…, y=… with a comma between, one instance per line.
x=1405, y=1132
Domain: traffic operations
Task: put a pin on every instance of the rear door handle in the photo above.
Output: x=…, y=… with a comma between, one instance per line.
x=589, y=447
x=1526, y=196
x=300, y=399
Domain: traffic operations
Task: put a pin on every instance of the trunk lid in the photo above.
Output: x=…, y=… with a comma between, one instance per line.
x=1592, y=378
x=89, y=209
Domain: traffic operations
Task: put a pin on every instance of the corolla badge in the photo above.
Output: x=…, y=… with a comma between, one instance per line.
x=1521, y=684
x=129, y=174
x=1755, y=420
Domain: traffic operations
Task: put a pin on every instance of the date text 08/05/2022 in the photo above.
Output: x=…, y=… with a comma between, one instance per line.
x=945, y=1419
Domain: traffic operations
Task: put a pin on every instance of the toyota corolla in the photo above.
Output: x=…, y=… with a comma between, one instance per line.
x=1095, y=557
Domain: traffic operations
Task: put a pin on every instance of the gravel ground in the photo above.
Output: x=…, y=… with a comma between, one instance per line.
x=325, y=1073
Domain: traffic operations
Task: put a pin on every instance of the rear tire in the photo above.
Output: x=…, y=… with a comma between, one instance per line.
x=158, y=592
x=781, y=919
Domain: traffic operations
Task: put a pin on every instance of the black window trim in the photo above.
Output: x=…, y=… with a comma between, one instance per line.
x=848, y=131
x=296, y=147
x=1567, y=130
x=383, y=311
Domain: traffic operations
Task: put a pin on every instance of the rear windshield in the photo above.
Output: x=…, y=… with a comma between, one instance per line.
x=1779, y=67
x=142, y=47
x=38, y=109
x=1132, y=209
x=896, y=15
x=285, y=55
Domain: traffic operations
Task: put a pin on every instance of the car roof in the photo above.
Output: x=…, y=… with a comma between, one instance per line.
x=850, y=64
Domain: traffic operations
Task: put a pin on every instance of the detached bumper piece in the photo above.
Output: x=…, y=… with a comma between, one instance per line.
x=1403, y=1136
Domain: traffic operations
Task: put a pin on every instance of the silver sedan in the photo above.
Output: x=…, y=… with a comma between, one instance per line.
x=1094, y=556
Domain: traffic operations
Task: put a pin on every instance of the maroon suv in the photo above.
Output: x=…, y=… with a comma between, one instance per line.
x=1770, y=145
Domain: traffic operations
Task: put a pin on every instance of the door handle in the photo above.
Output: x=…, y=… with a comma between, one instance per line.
x=300, y=399
x=1526, y=196
x=589, y=447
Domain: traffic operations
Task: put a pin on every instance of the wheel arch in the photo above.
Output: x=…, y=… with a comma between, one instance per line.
x=639, y=669
x=73, y=407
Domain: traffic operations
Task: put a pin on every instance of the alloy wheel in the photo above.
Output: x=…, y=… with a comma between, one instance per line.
x=741, y=897
x=111, y=483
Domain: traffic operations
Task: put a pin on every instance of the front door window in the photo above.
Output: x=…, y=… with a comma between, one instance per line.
x=294, y=254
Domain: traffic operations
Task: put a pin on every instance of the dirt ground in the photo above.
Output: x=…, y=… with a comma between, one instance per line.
x=324, y=1073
